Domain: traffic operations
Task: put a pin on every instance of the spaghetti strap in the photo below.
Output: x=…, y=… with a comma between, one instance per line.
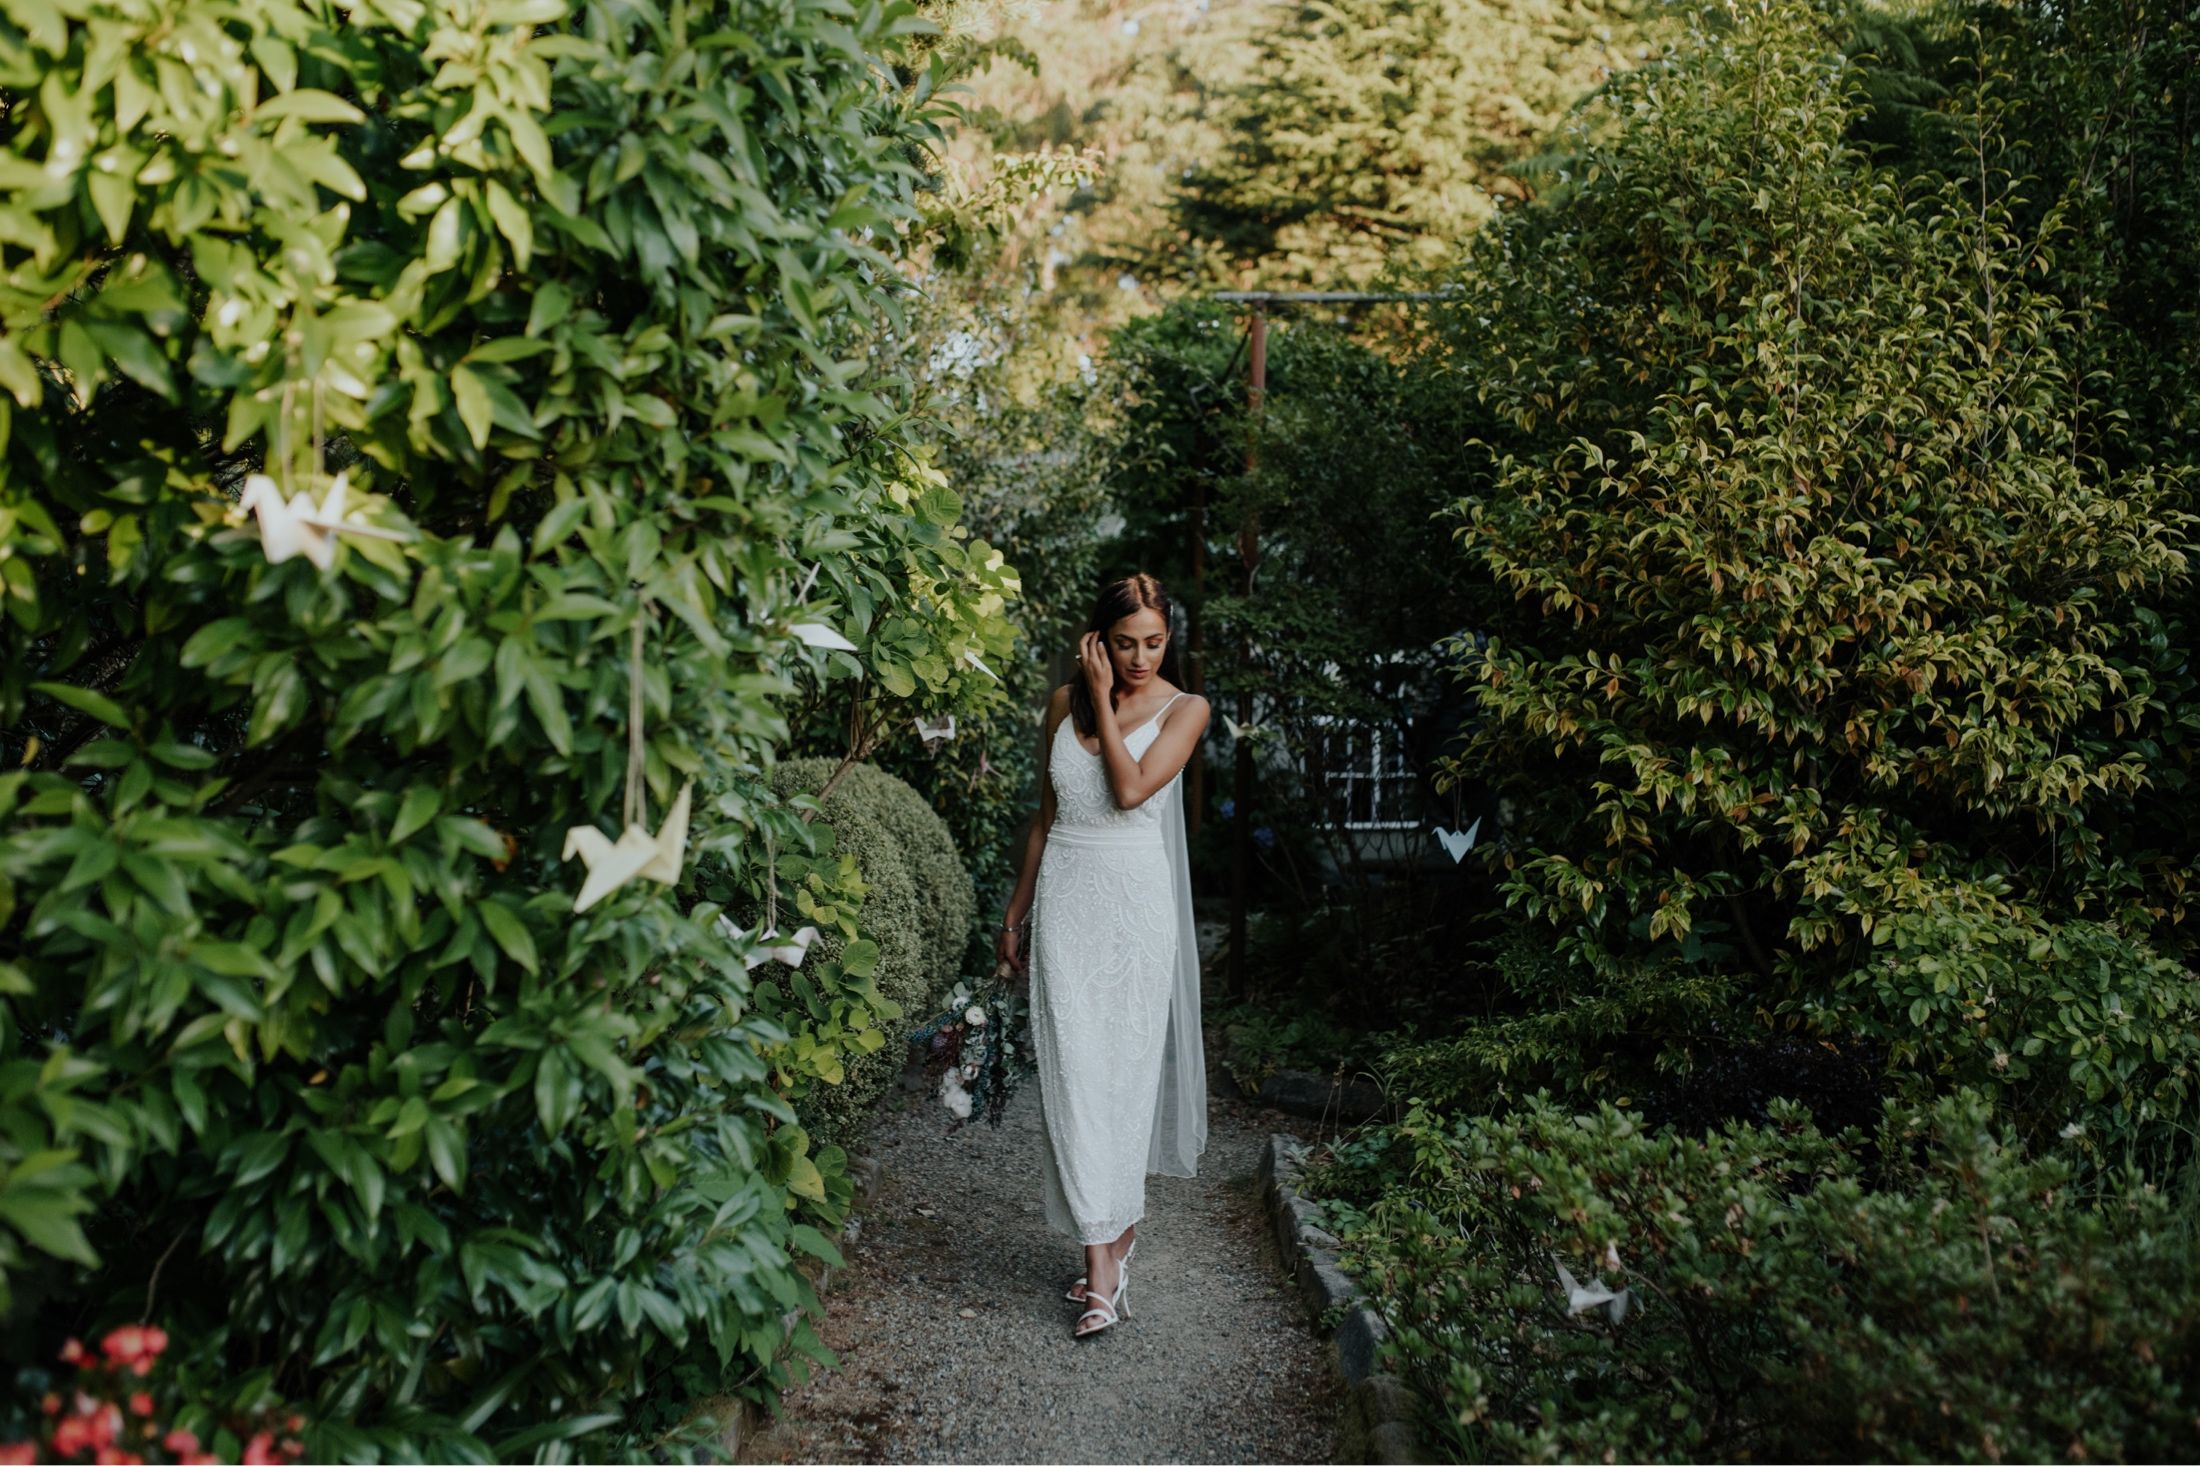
x=1157, y=717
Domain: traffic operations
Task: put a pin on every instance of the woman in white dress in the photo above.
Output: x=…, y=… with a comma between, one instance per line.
x=1108, y=945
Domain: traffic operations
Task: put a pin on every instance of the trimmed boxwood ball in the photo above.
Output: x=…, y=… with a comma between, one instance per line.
x=947, y=899
x=906, y=879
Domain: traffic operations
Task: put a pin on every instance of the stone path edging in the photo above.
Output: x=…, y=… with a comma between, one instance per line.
x=1324, y=1097
x=1378, y=1422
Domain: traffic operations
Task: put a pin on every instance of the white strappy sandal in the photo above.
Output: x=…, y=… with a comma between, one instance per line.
x=1111, y=1310
x=1076, y=1290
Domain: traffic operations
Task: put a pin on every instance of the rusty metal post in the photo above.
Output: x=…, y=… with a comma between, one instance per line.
x=1195, y=657
x=1241, y=819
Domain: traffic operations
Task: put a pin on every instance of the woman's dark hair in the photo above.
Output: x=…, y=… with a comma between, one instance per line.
x=1117, y=599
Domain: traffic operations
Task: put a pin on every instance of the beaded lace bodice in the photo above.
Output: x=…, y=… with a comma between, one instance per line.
x=1080, y=776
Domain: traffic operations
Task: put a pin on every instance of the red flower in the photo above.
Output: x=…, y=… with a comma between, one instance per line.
x=19, y=1453
x=72, y=1352
x=51, y=1404
x=72, y=1436
x=141, y=1403
x=108, y=1456
x=135, y=1345
x=180, y=1443
x=259, y=1451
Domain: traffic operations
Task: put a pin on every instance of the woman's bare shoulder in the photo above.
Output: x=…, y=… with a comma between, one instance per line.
x=1195, y=706
x=1186, y=695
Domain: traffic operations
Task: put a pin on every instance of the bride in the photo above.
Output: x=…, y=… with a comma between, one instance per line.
x=1109, y=946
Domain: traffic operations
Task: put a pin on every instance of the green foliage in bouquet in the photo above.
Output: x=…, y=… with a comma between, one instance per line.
x=1840, y=612
x=978, y=1050
x=305, y=1046
x=1774, y=1293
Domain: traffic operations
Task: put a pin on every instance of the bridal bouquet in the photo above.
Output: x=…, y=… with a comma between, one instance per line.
x=979, y=1049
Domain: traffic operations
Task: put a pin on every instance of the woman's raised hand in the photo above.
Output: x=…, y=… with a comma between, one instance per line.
x=1092, y=655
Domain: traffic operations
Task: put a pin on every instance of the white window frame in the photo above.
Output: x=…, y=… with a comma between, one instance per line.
x=1344, y=782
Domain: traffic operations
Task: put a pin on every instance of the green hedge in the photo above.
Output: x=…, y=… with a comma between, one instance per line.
x=947, y=902
x=1843, y=691
x=305, y=1051
x=1936, y=1293
x=916, y=910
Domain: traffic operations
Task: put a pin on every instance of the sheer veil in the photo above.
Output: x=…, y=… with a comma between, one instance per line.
x=1180, y=1119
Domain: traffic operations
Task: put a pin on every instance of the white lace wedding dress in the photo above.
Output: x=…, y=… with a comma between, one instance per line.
x=1114, y=974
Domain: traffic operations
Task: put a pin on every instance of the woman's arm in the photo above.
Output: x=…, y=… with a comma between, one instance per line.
x=1137, y=780
x=1011, y=939
x=1134, y=781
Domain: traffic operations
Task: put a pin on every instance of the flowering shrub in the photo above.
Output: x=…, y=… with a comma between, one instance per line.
x=113, y=1412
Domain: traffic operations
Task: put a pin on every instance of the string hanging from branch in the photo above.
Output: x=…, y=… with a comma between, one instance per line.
x=611, y=864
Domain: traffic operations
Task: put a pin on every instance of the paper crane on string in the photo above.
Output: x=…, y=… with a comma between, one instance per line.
x=790, y=950
x=298, y=526
x=938, y=732
x=1580, y=1298
x=817, y=633
x=1243, y=730
x=612, y=863
x=1457, y=843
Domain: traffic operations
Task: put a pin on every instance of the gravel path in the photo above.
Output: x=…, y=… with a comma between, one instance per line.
x=1213, y=1362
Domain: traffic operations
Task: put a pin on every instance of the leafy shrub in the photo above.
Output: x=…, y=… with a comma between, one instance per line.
x=1939, y=1294
x=116, y=1404
x=1603, y=1026
x=303, y=1045
x=894, y=918
x=1838, y=622
x=947, y=904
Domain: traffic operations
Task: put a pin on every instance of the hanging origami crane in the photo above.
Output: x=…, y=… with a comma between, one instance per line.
x=1581, y=1298
x=1457, y=843
x=298, y=526
x=816, y=633
x=938, y=732
x=972, y=658
x=611, y=864
x=790, y=951
x=1243, y=730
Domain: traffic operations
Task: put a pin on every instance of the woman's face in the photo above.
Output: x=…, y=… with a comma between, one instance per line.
x=1135, y=644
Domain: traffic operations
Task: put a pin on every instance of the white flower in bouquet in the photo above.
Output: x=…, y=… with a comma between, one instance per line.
x=954, y=1096
x=974, y=1016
